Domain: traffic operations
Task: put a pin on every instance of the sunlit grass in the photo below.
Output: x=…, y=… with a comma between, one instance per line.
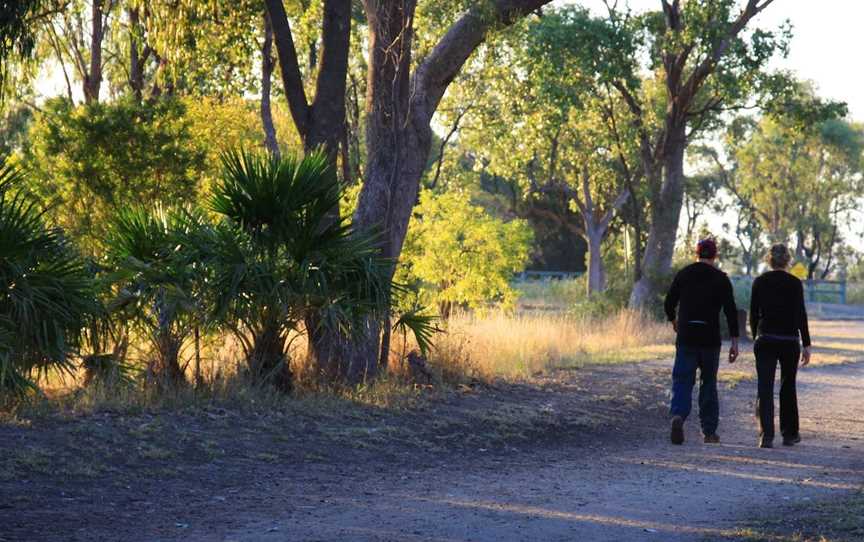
x=501, y=345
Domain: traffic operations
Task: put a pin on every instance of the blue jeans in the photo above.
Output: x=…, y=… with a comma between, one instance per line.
x=687, y=360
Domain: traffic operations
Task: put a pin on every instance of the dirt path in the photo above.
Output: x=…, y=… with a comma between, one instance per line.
x=641, y=490
x=625, y=483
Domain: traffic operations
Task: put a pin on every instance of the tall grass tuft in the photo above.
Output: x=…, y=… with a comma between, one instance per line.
x=501, y=345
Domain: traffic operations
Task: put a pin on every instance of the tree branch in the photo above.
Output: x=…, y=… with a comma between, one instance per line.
x=292, y=80
x=437, y=71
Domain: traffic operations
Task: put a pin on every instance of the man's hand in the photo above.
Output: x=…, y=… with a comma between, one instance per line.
x=805, y=356
x=675, y=325
x=733, y=350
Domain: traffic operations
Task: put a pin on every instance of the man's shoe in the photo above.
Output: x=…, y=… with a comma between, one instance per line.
x=791, y=441
x=766, y=442
x=713, y=438
x=677, y=435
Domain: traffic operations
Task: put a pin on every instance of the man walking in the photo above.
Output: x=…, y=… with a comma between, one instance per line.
x=693, y=305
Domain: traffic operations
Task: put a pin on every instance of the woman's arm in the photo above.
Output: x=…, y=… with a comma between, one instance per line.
x=803, y=325
x=754, y=308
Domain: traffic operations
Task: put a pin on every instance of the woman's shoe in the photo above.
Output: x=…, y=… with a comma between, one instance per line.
x=791, y=441
x=713, y=438
x=677, y=434
x=765, y=442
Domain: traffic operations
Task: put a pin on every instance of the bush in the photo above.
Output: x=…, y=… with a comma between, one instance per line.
x=159, y=285
x=91, y=160
x=461, y=256
x=278, y=257
x=46, y=291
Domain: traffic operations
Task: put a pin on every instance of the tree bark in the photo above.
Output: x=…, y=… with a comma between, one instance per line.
x=399, y=109
x=266, y=82
x=596, y=271
x=93, y=77
x=319, y=123
x=665, y=214
x=136, y=63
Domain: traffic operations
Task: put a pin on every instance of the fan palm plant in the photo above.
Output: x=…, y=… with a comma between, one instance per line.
x=279, y=257
x=159, y=285
x=46, y=291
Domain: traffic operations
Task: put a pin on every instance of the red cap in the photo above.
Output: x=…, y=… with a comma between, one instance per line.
x=706, y=249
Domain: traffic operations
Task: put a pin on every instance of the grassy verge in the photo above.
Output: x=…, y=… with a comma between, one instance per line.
x=498, y=345
x=838, y=520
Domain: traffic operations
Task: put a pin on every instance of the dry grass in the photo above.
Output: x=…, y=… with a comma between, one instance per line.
x=499, y=345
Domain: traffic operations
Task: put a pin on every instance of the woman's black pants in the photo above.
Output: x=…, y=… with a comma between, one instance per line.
x=768, y=353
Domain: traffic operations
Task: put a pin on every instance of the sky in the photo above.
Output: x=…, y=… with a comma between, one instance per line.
x=824, y=46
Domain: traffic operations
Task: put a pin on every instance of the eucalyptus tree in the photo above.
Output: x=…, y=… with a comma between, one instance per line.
x=803, y=183
x=320, y=120
x=402, y=96
x=557, y=129
x=704, y=64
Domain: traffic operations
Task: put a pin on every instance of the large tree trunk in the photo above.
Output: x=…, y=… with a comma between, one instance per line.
x=320, y=125
x=665, y=215
x=266, y=82
x=399, y=109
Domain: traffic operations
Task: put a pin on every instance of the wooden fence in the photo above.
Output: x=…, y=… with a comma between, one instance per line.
x=529, y=275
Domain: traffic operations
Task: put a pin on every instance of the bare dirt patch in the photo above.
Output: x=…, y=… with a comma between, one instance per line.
x=577, y=454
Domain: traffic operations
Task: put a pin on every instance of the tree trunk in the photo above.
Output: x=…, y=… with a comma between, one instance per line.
x=266, y=83
x=596, y=272
x=93, y=79
x=665, y=215
x=320, y=125
x=399, y=109
x=136, y=63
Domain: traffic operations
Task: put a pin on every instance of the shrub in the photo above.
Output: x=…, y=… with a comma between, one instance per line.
x=46, y=291
x=279, y=256
x=93, y=159
x=461, y=255
x=159, y=285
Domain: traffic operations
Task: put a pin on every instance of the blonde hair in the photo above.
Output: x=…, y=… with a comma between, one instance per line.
x=779, y=256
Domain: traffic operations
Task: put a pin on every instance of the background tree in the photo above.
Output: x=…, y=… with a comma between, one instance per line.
x=557, y=130
x=462, y=256
x=802, y=183
x=703, y=64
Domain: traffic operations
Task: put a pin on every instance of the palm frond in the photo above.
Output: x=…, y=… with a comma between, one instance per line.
x=422, y=325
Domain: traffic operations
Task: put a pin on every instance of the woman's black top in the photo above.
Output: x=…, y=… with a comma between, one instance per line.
x=777, y=307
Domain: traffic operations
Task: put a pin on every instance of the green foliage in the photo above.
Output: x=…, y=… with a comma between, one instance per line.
x=92, y=160
x=421, y=325
x=46, y=291
x=159, y=285
x=801, y=183
x=17, y=36
x=218, y=125
x=461, y=255
x=210, y=46
x=279, y=256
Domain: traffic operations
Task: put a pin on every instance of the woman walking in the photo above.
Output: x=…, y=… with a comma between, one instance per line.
x=778, y=319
